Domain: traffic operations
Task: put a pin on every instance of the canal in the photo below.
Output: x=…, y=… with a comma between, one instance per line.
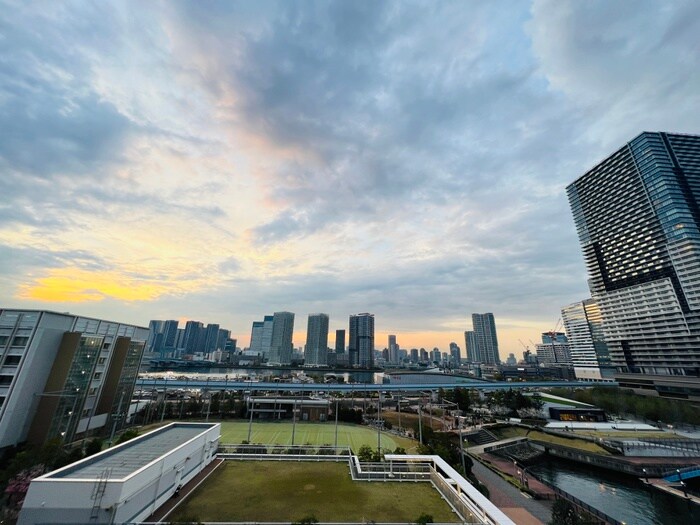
x=624, y=498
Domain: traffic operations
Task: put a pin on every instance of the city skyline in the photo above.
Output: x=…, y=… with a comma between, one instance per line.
x=182, y=161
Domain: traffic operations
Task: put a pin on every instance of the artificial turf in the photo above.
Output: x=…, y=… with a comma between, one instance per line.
x=288, y=491
x=280, y=433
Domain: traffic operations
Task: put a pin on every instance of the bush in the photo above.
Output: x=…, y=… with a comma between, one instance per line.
x=424, y=518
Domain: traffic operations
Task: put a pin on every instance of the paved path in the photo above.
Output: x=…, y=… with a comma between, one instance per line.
x=505, y=496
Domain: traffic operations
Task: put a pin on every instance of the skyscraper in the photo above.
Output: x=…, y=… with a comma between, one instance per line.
x=455, y=354
x=340, y=342
x=361, y=342
x=638, y=222
x=486, y=340
x=584, y=328
x=281, y=343
x=266, y=344
x=393, y=349
x=193, y=336
x=316, y=349
x=211, y=338
x=470, y=346
x=256, y=334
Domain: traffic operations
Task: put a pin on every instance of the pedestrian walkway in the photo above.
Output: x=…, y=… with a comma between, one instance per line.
x=519, y=507
x=518, y=472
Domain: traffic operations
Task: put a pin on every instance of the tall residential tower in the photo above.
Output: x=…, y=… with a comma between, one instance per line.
x=486, y=339
x=638, y=222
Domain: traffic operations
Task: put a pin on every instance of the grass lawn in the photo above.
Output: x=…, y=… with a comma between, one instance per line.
x=280, y=433
x=581, y=444
x=409, y=420
x=287, y=491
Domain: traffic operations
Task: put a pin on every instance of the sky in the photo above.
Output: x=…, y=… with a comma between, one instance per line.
x=220, y=161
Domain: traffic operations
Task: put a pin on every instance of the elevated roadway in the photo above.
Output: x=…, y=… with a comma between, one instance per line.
x=260, y=386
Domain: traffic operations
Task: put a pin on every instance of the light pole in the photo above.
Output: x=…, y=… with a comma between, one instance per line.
x=379, y=435
x=336, y=422
x=294, y=420
x=420, y=424
x=250, y=421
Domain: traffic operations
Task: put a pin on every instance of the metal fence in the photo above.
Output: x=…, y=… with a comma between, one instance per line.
x=452, y=497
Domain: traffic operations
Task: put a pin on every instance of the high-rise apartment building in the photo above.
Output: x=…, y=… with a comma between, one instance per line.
x=361, y=342
x=414, y=355
x=471, y=347
x=256, y=334
x=455, y=354
x=339, y=342
x=589, y=351
x=316, y=349
x=638, y=221
x=486, y=339
x=62, y=375
x=554, y=349
x=266, y=344
x=193, y=336
x=281, y=340
x=393, y=348
x=211, y=338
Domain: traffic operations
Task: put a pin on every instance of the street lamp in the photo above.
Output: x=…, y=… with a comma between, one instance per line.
x=646, y=477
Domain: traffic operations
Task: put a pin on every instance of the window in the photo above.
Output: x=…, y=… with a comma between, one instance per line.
x=101, y=360
x=12, y=360
x=20, y=341
x=98, y=375
x=6, y=380
x=4, y=339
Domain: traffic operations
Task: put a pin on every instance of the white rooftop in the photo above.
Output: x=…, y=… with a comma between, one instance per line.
x=124, y=460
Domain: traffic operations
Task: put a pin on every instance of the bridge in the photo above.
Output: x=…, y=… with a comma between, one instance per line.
x=253, y=386
x=683, y=474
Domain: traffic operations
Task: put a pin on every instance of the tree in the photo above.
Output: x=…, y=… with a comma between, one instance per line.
x=367, y=453
x=93, y=447
x=424, y=518
x=564, y=513
x=126, y=436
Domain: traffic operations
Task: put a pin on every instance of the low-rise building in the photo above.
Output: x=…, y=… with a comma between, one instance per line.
x=126, y=483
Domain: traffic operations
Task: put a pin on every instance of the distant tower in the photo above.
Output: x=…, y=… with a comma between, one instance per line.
x=193, y=336
x=340, y=342
x=256, y=338
x=589, y=351
x=362, y=340
x=281, y=344
x=393, y=350
x=471, y=347
x=266, y=344
x=316, y=350
x=455, y=354
x=486, y=339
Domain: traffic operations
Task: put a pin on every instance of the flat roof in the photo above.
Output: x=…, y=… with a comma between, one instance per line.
x=127, y=458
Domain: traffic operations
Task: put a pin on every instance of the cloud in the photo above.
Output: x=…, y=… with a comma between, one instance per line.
x=225, y=160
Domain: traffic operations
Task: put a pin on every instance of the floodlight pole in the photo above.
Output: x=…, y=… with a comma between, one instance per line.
x=165, y=399
x=420, y=423
x=294, y=419
x=336, y=422
x=379, y=435
x=461, y=449
x=250, y=422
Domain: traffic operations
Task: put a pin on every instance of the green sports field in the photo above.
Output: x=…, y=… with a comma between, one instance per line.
x=280, y=433
x=252, y=491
